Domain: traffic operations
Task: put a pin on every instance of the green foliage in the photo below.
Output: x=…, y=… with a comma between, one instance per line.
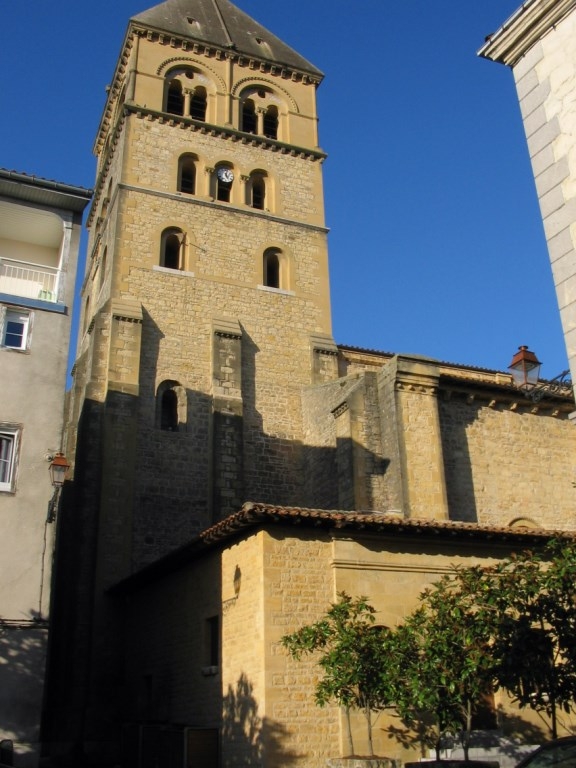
x=511, y=625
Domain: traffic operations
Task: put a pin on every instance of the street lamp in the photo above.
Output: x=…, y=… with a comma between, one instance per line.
x=58, y=468
x=525, y=370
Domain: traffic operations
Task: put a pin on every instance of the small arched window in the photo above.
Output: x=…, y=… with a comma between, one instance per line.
x=258, y=191
x=198, y=104
x=171, y=407
x=171, y=255
x=249, y=120
x=271, y=122
x=175, y=98
x=224, y=181
x=271, y=277
x=187, y=174
x=169, y=411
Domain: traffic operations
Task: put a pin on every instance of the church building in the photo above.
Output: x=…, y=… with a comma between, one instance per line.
x=234, y=468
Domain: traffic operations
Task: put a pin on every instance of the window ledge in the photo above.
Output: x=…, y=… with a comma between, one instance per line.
x=167, y=271
x=283, y=291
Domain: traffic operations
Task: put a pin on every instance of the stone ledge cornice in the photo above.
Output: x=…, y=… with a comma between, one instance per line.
x=225, y=132
x=523, y=29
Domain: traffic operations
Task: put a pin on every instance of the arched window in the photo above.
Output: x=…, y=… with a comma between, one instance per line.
x=258, y=191
x=171, y=407
x=187, y=174
x=175, y=98
x=271, y=277
x=271, y=122
x=224, y=181
x=169, y=411
x=171, y=255
x=249, y=120
x=198, y=104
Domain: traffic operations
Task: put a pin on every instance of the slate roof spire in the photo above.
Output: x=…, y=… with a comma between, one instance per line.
x=221, y=23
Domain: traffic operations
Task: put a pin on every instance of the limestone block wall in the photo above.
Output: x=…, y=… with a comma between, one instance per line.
x=546, y=85
x=504, y=464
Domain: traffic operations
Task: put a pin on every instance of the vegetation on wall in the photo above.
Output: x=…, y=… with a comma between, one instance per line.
x=511, y=626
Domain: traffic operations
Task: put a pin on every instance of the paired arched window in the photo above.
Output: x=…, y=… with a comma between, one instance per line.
x=172, y=249
x=259, y=112
x=171, y=410
x=187, y=174
x=186, y=93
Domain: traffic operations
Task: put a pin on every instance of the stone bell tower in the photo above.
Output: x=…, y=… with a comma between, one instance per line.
x=206, y=298
x=205, y=311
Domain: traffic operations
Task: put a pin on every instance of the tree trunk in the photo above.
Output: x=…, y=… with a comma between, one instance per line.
x=349, y=731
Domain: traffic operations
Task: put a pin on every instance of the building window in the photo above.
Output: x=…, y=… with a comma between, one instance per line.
x=198, y=104
x=16, y=329
x=249, y=120
x=8, y=456
x=271, y=277
x=213, y=641
x=175, y=98
x=258, y=191
x=187, y=174
x=224, y=181
x=171, y=408
x=271, y=122
x=172, y=247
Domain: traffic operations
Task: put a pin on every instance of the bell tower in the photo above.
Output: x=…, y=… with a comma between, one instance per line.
x=205, y=307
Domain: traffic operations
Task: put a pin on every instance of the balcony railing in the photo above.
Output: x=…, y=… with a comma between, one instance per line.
x=32, y=281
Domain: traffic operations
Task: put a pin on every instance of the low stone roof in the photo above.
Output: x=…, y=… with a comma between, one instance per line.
x=256, y=515
x=221, y=23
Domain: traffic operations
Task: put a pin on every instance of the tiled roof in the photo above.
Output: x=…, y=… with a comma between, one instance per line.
x=221, y=23
x=255, y=515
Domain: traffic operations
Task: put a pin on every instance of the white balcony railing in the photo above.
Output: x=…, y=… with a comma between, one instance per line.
x=32, y=281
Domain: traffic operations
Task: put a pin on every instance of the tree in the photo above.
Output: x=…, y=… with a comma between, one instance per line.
x=448, y=668
x=353, y=655
x=529, y=600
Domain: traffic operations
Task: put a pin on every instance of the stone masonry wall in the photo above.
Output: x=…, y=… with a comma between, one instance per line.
x=506, y=464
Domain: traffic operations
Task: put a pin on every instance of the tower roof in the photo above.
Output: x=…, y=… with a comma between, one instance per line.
x=221, y=23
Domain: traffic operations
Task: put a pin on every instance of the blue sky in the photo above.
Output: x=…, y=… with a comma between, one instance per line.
x=436, y=241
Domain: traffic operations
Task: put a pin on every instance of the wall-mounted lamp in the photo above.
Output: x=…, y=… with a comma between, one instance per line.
x=525, y=370
x=58, y=468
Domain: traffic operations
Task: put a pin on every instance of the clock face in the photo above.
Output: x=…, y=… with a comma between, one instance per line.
x=225, y=175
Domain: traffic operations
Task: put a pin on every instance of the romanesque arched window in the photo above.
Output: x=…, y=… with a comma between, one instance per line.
x=249, y=121
x=224, y=182
x=257, y=190
x=271, y=122
x=271, y=268
x=187, y=174
x=172, y=249
x=198, y=103
x=175, y=98
x=171, y=407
